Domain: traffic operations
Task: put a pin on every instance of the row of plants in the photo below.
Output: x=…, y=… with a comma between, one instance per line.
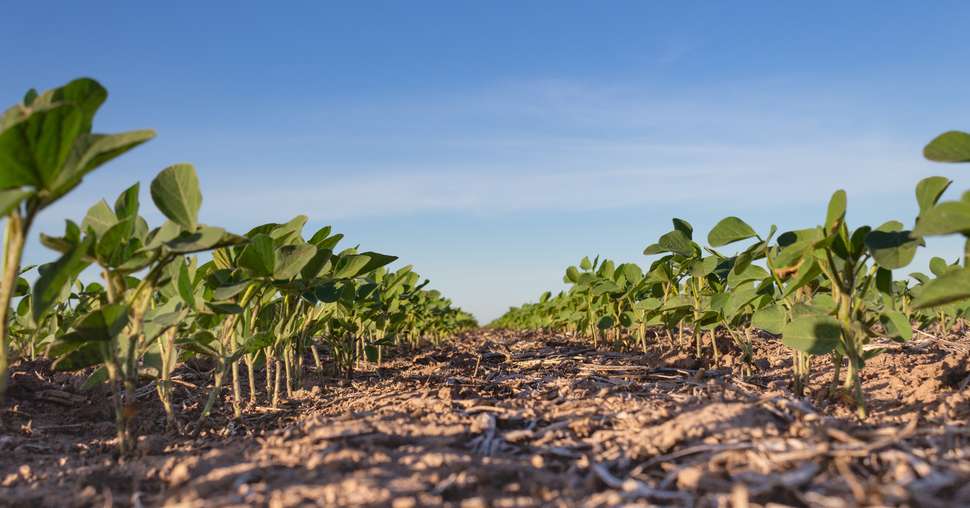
x=266, y=301
x=827, y=290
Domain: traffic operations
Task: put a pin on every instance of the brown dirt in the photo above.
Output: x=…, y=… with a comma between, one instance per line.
x=497, y=419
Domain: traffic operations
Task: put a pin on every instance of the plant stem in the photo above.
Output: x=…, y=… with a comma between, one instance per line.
x=13, y=249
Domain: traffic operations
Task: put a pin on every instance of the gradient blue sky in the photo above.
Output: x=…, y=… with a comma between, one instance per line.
x=490, y=144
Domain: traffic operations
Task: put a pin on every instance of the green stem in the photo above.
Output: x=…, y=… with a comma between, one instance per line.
x=13, y=249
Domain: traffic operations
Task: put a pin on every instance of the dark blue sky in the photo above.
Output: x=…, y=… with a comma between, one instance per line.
x=493, y=143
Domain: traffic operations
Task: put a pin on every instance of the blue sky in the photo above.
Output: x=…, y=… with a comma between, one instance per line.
x=491, y=144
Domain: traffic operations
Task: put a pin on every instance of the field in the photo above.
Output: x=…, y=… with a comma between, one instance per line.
x=506, y=419
x=187, y=365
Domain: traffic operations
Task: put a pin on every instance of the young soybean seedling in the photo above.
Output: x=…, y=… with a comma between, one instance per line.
x=119, y=242
x=46, y=149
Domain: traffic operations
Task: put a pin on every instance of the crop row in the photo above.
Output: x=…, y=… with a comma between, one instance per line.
x=825, y=290
x=269, y=299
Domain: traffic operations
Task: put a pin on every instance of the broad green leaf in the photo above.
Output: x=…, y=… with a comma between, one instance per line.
x=836, y=211
x=375, y=261
x=938, y=266
x=91, y=151
x=943, y=219
x=175, y=192
x=350, y=265
x=572, y=275
x=290, y=259
x=730, y=230
x=812, y=334
x=929, y=190
x=104, y=324
x=183, y=283
x=290, y=232
x=678, y=243
x=321, y=235
x=111, y=242
x=951, y=146
x=951, y=287
x=72, y=355
x=227, y=292
x=126, y=206
x=891, y=249
x=806, y=273
x=49, y=285
x=99, y=218
x=896, y=325
x=87, y=94
x=33, y=151
x=751, y=272
x=202, y=239
x=605, y=323
x=259, y=256
x=684, y=227
x=770, y=319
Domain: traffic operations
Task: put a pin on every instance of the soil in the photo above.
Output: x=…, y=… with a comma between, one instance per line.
x=515, y=419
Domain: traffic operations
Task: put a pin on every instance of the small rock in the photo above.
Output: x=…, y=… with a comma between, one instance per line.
x=473, y=502
x=404, y=502
x=689, y=477
x=179, y=475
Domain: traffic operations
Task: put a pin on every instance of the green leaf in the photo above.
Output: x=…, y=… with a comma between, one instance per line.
x=684, y=227
x=72, y=356
x=175, y=192
x=807, y=272
x=929, y=190
x=183, y=283
x=254, y=343
x=91, y=151
x=605, y=322
x=770, y=319
x=943, y=219
x=103, y=324
x=678, y=243
x=227, y=292
x=33, y=151
x=202, y=239
x=87, y=94
x=291, y=259
x=897, y=325
x=99, y=218
x=951, y=146
x=224, y=308
x=812, y=334
x=350, y=265
x=49, y=285
x=891, y=249
x=950, y=287
x=259, y=256
x=572, y=275
x=375, y=261
x=938, y=266
x=836, y=211
x=730, y=230
x=11, y=199
x=749, y=273
x=109, y=247
x=126, y=206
